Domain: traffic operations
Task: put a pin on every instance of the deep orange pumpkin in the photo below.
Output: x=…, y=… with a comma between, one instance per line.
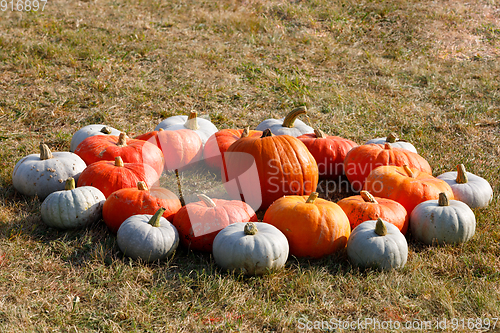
x=107, y=147
x=199, y=222
x=361, y=160
x=314, y=227
x=122, y=204
x=110, y=176
x=407, y=186
x=259, y=170
x=148, y=135
x=364, y=207
x=328, y=151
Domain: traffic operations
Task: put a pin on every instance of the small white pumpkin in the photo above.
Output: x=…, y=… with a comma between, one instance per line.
x=377, y=244
x=203, y=127
x=91, y=130
x=252, y=248
x=442, y=221
x=475, y=191
x=289, y=125
x=394, y=141
x=44, y=173
x=73, y=207
x=148, y=237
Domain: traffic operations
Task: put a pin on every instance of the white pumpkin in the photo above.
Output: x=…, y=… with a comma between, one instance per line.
x=377, y=244
x=44, y=173
x=203, y=127
x=442, y=221
x=289, y=125
x=252, y=248
x=73, y=207
x=147, y=237
x=91, y=130
x=394, y=141
x=475, y=191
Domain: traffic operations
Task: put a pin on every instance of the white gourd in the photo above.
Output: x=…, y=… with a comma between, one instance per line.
x=394, y=141
x=91, y=130
x=203, y=127
x=289, y=125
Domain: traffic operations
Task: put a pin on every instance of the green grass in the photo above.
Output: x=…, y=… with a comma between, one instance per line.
x=427, y=70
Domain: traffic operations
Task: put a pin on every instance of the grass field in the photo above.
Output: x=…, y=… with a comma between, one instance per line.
x=427, y=70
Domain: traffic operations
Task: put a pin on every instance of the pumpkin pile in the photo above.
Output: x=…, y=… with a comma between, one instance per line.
x=275, y=169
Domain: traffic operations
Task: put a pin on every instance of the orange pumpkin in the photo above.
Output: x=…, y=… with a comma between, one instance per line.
x=259, y=170
x=124, y=203
x=314, y=227
x=407, y=186
x=148, y=135
x=365, y=207
x=199, y=222
x=361, y=160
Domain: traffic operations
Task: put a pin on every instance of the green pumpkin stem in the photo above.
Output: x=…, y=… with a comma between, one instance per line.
x=246, y=132
x=118, y=162
x=408, y=171
x=319, y=134
x=380, y=228
x=155, y=220
x=70, y=184
x=368, y=197
x=250, y=228
x=290, y=118
x=443, y=199
x=387, y=145
x=122, y=140
x=312, y=197
x=192, y=121
x=106, y=130
x=266, y=133
x=142, y=186
x=393, y=137
x=461, y=174
x=45, y=152
x=206, y=200
x=179, y=188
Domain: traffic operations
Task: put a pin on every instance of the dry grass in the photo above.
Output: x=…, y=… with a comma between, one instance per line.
x=425, y=69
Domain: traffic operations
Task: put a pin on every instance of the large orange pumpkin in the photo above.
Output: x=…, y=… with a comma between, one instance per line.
x=365, y=207
x=124, y=203
x=361, y=160
x=407, y=186
x=259, y=170
x=314, y=227
x=199, y=222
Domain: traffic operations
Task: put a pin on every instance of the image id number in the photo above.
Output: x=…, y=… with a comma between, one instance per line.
x=23, y=5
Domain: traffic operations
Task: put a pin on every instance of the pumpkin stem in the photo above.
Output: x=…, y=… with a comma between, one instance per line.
x=387, y=145
x=461, y=175
x=192, y=121
x=106, y=130
x=250, y=228
x=319, y=134
x=118, y=161
x=380, y=228
x=290, y=118
x=368, y=197
x=313, y=196
x=443, y=199
x=209, y=202
x=45, y=152
x=393, y=137
x=408, y=171
x=155, y=220
x=179, y=188
x=70, y=184
x=142, y=186
x=161, y=129
x=266, y=133
x=122, y=140
x=246, y=132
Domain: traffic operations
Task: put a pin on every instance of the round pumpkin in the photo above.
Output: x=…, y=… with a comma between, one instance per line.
x=203, y=127
x=259, y=170
x=314, y=227
x=407, y=186
x=365, y=207
x=127, y=202
x=328, y=151
x=251, y=248
x=395, y=142
x=199, y=222
x=289, y=125
x=91, y=130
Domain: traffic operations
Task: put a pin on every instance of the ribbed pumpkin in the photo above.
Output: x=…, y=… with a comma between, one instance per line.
x=314, y=227
x=259, y=170
x=328, y=151
x=107, y=147
x=199, y=222
x=110, y=176
x=407, y=186
x=203, y=127
x=218, y=143
x=122, y=204
x=364, y=207
x=91, y=130
x=361, y=160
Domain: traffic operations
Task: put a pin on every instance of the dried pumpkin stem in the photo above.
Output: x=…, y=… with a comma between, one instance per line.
x=319, y=134
x=392, y=137
x=122, y=140
x=380, y=228
x=387, y=145
x=408, y=171
x=266, y=133
x=142, y=186
x=206, y=200
x=106, y=130
x=368, y=197
x=245, y=133
x=290, y=118
x=250, y=228
x=179, y=188
x=461, y=174
x=443, y=199
x=192, y=121
x=155, y=220
x=45, y=152
x=70, y=184
x=313, y=196
x=118, y=161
